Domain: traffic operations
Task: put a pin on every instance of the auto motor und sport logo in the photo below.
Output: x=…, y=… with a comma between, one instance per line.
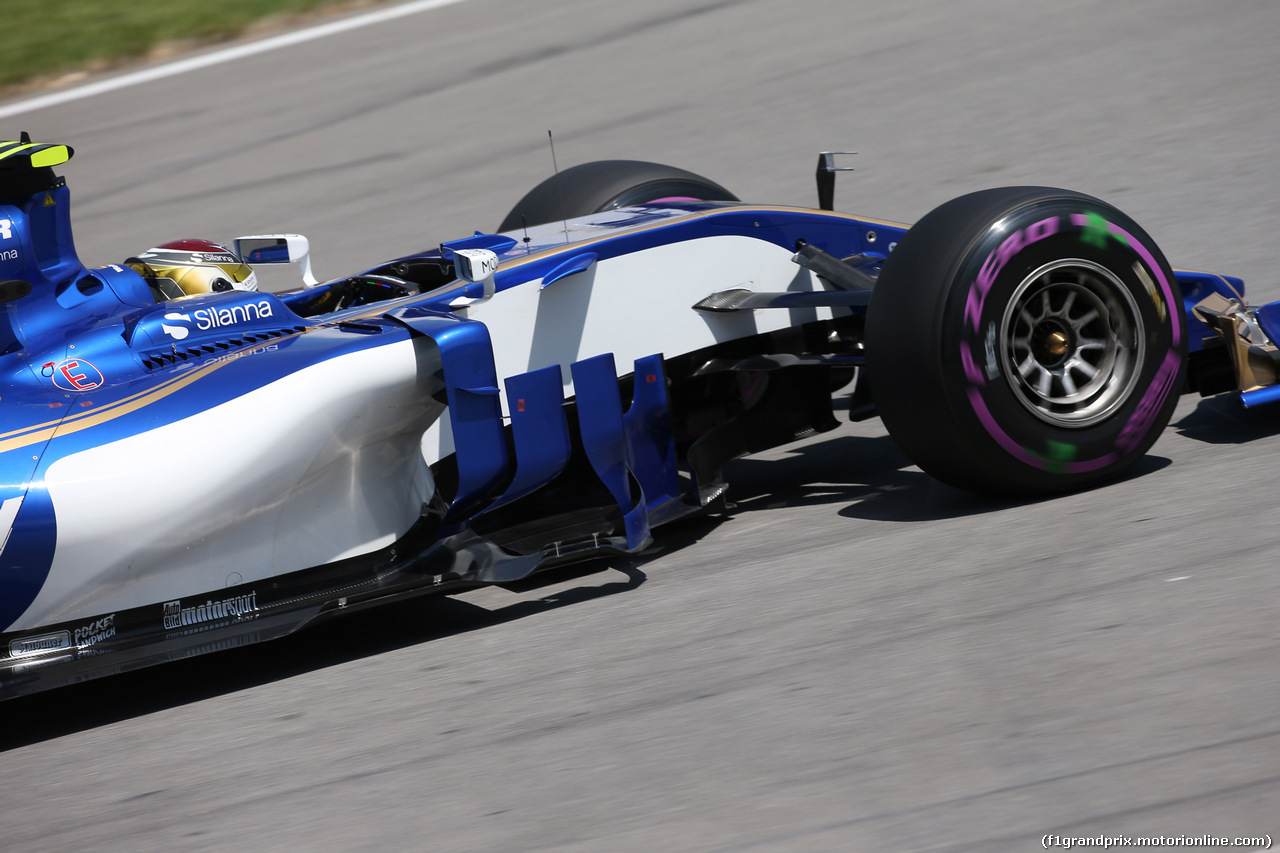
x=236, y=607
x=205, y=319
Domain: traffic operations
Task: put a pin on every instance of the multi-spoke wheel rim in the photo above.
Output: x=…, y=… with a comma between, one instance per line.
x=1071, y=343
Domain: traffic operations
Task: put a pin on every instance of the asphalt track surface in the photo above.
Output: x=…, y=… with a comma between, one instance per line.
x=856, y=658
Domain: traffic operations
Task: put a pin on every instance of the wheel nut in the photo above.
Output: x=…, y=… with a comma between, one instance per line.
x=1056, y=344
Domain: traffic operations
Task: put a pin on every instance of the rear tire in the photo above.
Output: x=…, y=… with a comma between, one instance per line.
x=606, y=185
x=1025, y=340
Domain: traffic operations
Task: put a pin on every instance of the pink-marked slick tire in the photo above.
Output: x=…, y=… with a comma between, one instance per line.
x=606, y=185
x=1025, y=340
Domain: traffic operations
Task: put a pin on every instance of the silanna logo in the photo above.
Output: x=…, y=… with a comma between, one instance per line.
x=213, y=258
x=205, y=319
x=238, y=607
x=6, y=233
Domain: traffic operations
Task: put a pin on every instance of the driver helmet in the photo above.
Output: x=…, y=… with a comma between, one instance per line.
x=188, y=267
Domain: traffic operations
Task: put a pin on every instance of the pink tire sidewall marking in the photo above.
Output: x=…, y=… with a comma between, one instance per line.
x=1158, y=389
x=1017, y=451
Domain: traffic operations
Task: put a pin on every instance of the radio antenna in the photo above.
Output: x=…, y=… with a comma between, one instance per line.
x=555, y=169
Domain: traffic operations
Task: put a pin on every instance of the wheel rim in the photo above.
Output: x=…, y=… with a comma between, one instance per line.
x=1071, y=343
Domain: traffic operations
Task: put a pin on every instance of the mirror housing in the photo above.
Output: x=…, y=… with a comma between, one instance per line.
x=477, y=266
x=277, y=249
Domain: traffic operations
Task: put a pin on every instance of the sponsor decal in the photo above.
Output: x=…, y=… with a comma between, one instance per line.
x=995, y=262
x=55, y=641
x=993, y=366
x=205, y=319
x=231, y=356
x=40, y=644
x=1140, y=421
x=176, y=332
x=971, y=371
x=6, y=229
x=1141, y=272
x=236, y=607
x=213, y=258
x=76, y=374
x=212, y=318
x=95, y=632
x=9, y=255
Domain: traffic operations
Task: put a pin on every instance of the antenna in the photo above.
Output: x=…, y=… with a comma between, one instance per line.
x=559, y=189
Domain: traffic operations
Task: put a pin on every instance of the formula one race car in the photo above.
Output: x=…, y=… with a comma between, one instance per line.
x=510, y=401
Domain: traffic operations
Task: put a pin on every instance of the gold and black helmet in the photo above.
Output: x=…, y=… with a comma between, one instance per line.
x=189, y=267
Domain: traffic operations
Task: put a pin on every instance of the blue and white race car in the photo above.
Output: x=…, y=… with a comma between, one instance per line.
x=189, y=462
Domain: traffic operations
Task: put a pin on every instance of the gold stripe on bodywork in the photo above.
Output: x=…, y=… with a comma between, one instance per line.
x=38, y=433
x=12, y=434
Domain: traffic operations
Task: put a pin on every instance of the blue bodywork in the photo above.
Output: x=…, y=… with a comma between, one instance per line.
x=89, y=357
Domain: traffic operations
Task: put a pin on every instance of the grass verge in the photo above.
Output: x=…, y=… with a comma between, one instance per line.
x=43, y=41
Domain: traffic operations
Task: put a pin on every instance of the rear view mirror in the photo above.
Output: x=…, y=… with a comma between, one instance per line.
x=277, y=249
x=475, y=265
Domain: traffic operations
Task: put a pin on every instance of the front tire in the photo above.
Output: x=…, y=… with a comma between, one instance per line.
x=1025, y=340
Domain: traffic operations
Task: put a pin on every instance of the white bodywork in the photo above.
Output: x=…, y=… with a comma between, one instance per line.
x=633, y=306
x=200, y=515
x=205, y=514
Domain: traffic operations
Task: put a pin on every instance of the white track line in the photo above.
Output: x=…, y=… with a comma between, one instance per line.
x=217, y=57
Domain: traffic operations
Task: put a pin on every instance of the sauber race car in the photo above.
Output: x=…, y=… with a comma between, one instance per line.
x=506, y=402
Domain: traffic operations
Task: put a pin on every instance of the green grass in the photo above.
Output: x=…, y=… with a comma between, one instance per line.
x=43, y=38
